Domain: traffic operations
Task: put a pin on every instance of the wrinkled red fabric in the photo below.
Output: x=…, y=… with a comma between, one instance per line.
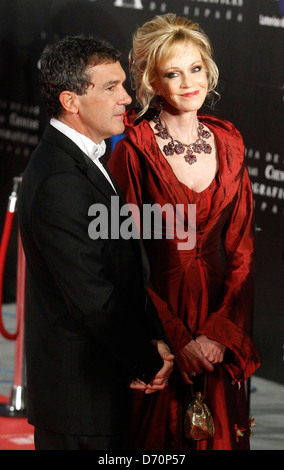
x=204, y=290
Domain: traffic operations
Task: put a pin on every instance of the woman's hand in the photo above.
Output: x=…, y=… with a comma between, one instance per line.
x=212, y=350
x=191, y=361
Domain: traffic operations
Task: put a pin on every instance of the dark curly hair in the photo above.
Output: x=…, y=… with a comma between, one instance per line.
x=63, y=66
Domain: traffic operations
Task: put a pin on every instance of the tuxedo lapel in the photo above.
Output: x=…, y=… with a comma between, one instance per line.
x=99, y=180
x=93, y=173
x=55, y=137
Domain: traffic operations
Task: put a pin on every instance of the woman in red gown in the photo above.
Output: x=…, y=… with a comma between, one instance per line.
x=204, y=293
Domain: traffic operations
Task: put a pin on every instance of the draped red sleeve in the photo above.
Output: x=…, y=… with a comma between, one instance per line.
x=230, y=323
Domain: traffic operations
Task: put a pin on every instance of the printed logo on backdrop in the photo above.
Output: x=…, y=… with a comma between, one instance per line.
x=271, y=18
x=223, y=10
x=137, y=4
x=19, y=127
x=267, y=181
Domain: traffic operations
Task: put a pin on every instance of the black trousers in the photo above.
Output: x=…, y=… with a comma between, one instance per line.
x=47, y=440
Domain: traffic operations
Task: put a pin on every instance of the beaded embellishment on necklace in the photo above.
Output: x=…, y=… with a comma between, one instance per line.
x=175, y=146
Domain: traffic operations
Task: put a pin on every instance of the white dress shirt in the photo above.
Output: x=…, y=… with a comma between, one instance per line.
x=91, y=149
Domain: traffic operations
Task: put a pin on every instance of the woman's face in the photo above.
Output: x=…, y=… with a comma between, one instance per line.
x=182, y=80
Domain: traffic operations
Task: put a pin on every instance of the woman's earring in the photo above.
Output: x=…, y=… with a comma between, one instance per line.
x=159, y=104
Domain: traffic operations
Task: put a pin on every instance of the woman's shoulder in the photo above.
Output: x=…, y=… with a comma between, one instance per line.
x=230, y=144
x=138, y=132
x=222, y=126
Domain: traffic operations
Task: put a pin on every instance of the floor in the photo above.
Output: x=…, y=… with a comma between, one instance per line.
x=266, y=397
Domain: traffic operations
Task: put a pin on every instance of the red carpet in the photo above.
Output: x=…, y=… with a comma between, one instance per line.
x=15, y=433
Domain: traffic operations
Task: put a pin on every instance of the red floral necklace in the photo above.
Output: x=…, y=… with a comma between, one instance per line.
x=175, y=146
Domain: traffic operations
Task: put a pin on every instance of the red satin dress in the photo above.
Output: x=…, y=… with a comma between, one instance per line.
x=205, y=290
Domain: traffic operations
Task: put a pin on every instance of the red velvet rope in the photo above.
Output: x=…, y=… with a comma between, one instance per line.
x=3, y=252
x=19, y=344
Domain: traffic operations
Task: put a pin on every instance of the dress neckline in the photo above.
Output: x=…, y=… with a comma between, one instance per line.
x=213, y=181
x=199, y=193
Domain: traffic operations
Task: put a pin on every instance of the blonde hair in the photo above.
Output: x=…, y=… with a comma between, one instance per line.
x=155, y=42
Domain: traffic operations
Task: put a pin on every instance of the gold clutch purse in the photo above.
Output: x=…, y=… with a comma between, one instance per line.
x=198, y=421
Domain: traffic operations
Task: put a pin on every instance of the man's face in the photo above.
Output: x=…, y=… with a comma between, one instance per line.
x=101, y=108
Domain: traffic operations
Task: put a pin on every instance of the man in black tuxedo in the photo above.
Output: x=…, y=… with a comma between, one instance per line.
x=92, y=333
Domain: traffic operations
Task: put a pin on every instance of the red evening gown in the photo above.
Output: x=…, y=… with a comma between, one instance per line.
x=205, y=290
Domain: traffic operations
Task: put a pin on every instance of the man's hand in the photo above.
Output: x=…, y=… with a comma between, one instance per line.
x=160, y=381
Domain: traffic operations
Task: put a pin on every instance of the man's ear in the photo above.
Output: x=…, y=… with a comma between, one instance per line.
x=68, y=100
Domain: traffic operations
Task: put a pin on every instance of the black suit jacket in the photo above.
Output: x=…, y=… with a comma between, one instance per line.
x=89, y=322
